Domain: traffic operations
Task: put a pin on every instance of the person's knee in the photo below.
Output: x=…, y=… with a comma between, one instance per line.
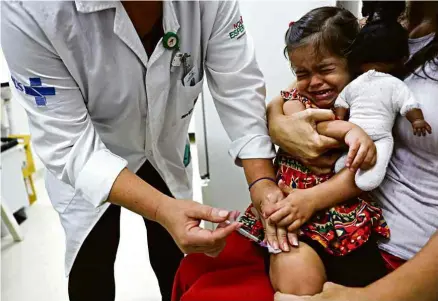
x=297, y=273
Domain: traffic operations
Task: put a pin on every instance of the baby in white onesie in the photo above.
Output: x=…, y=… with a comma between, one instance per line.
x=374, y=99
x=377, y=96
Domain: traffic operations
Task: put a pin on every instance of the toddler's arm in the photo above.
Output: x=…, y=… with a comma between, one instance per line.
x=341, y=105
x=362, y=151
x=293, y=106
x=294, y=210
x=341, y=113
x=301, y=204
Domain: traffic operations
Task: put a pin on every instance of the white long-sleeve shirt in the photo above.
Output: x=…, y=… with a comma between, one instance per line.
x=97, y=103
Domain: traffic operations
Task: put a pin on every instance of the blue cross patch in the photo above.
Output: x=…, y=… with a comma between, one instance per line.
x=35, y=89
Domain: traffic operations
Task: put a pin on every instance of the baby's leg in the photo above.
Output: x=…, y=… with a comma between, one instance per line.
x=340, y=163
x=298, y=272
x=370, y=179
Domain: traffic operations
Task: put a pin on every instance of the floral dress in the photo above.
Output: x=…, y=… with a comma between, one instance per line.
x=340, y=229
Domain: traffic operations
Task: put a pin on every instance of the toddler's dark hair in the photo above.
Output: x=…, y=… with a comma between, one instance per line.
x=330, y=29
x=382, y=39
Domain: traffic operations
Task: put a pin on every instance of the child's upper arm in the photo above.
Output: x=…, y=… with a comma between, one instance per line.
x=293, y=106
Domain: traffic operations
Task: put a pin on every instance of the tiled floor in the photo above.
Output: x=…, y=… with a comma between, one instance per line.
x=34, y=268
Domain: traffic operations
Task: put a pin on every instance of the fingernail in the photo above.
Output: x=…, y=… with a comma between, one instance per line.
x=286, y=246
x=275, y=246
x=295, y=242
x=222, y=213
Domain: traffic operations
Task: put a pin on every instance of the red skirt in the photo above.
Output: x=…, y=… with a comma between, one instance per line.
x=238, y=273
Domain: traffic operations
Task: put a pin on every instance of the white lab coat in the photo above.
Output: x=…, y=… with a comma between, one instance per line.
x=97, y=103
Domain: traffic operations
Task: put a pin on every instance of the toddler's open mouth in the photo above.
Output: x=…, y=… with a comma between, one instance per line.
x=324, y=98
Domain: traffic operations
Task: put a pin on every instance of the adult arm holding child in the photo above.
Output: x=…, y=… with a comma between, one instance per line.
x=264, y=194
x=301, y=204
x=297, y=135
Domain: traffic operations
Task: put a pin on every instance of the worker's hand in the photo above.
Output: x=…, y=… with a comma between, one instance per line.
x=331, y=292
x=297, y=135
x=181, y=218
x=264, y=195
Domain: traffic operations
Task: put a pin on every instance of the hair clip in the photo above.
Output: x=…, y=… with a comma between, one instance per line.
x=291, y=23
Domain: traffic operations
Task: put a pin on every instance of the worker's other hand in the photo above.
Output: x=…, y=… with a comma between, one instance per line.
x=234, y=215
x=264, y=195
x=182, y=219
x=297, y=135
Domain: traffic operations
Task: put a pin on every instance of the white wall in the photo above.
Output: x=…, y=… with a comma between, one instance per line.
x=354, y=6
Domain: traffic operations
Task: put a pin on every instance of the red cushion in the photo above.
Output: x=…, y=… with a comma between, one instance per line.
x=238, y=273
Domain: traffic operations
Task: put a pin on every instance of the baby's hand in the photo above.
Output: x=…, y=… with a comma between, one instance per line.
x=420, y=127
x=293, y=211
x=362, y=150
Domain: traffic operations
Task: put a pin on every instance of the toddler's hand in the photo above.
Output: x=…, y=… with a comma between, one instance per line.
x=292, y=211
x=420, y=127
x=362, y=150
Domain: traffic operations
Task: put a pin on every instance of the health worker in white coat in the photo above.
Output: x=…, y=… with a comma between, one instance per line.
x=109, y=89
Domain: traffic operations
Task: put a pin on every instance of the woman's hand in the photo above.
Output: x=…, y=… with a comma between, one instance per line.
x=296, y=134
x=181, y=218
x=362, y=150
x=331, y=292
x=293, y=211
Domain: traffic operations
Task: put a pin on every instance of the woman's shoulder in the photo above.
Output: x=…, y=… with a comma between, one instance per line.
x=293, y=94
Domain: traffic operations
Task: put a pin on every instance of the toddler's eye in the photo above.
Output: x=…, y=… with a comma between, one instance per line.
x=327, y=70
x=301, y=74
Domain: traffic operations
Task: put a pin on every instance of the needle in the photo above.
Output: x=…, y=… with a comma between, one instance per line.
x=255, y=239
x=245, y=233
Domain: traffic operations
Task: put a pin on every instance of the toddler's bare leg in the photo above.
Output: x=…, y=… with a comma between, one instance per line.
x=298, y=272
